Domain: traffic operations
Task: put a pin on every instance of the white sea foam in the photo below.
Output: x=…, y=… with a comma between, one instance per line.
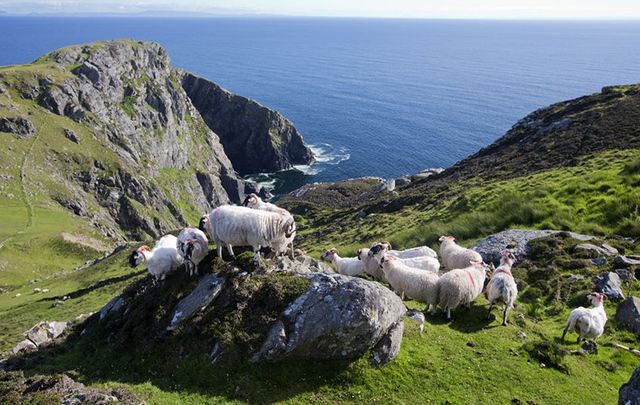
x=325, y=154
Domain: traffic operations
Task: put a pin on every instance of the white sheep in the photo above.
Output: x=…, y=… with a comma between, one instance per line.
x=455, y=256
x=418, y=251
x=417, y=284
x=193, y=246
x=588, y=322
x=371, y=264
x=461, y=286
x=347, y=266
x=160, y=261
x=255, y=202
x=502, y=287
x=241, y=226
x=428, y=263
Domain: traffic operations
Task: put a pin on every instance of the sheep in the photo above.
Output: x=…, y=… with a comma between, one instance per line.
x=428, y=263
x=417, y=284
x=255, y=202
x=502, y=286
x=193, y=246
x=403, y=254
x=588, y=322
x=455, y=256
x=242, y=226
x=461, y=286
x=163, y=259
x=347, y=266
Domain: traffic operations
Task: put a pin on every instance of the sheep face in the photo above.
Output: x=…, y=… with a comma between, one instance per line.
x=379, y=247
x=251, y=201
x=203, y=222
x=290, y=227
x=446, y=238
x=137, y=256
x=386, y=262
x=596, y=298
x=508, y=257
x=329, y=255
x=186, y=248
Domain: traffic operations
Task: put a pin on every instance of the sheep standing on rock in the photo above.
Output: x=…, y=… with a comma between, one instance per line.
x=163, y=259
x=241, y=226
x=455, y=256
x=255, y=202
x=347, y=266
x=461, y=286
x=193, y=246
x=588, y=322
x=502, y=286
x=417, y=284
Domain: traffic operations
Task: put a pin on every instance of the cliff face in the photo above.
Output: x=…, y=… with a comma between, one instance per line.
x=255, y=138
x=124, y=146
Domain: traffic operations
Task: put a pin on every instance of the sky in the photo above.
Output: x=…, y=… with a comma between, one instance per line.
x=476, y=9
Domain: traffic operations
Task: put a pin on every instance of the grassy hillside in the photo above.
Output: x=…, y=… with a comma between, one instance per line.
x=585, y=179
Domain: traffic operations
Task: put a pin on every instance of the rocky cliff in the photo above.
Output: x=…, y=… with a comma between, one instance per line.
x=255, y=138
x=111, y=135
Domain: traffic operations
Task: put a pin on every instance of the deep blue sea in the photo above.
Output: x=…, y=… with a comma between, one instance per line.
x=374, y=97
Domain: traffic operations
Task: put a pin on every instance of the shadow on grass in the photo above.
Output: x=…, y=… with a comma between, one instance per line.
x=96, y=286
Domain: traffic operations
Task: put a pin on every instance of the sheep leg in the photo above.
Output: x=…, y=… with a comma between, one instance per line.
x=578, y=340
x=230, y=250
x=426, y=309
x=293, y=255
x=256, y=255
x=448, y=313
x=564, y=332
x=219, y=250
x=433, y=309
x=504, y=315
x=489, y=312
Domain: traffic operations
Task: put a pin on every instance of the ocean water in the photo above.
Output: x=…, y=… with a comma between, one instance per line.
x=373, y=97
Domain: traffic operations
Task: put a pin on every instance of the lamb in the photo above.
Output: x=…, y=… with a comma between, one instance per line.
x=255, y=202
x=403, y=254
x=242, y=226
x=455, y=256
x=502, y=286
x=588, y=322
x=461, y=286
x=417, y=284
x=160, y=261
x=347, y=266
x=193, y=246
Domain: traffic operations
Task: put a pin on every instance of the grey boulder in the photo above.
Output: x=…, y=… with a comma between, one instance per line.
x=610, y=285
x=626, y=262
x=628, y=314
x=205, y=292
x=338, y=317
x=629, y=393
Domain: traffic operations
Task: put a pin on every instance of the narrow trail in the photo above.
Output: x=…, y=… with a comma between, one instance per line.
x=23, y=186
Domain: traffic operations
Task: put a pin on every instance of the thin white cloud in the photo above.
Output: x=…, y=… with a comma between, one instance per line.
x=533, y=9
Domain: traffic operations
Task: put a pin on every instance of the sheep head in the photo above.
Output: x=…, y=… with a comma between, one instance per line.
x=290, y=226
x=137, y=256
x=251, y=201
x=203, y=222
x=329, y=255
x=446, y=238
x=379, y=247
x=596, y=298
x=508, y=257
x=386, y=259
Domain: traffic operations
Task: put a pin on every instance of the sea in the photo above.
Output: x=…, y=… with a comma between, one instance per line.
x=372, y=97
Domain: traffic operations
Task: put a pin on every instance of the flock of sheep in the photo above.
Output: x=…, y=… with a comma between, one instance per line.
x=414, y=272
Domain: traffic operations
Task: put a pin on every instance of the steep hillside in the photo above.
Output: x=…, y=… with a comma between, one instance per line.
x=102, y=143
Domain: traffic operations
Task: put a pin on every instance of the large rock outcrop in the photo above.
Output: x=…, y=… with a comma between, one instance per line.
x=255, y=138
x=629, y=393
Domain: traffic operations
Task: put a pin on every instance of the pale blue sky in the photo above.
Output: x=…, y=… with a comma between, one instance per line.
x=500, y=9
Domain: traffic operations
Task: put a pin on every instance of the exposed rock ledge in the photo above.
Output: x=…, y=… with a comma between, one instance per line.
x=255, y=138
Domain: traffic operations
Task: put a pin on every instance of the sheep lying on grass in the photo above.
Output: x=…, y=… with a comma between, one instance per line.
x=348, y=266
x=193, y=246
x=240, y=226
x=163, y=259
x=588, y=322
x=502, y=287
x=417, y=284
x=255, y=202
x=455, y=256
x=461, y=286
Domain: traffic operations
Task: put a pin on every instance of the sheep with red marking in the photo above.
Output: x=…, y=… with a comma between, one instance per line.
x=159, y=261
x=588, y=322
x=502, y=287
x=461, y=286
